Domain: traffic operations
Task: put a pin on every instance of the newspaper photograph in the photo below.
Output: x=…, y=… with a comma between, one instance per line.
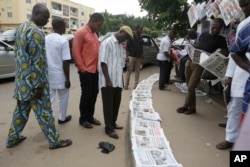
x=149, y=142
x=156, y=157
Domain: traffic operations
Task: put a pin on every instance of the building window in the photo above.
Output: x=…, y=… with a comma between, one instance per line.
x=9, y=13
x=82, y=13
x=28, y=16
x=67, y=22
x=65, y=10
x=28, y=1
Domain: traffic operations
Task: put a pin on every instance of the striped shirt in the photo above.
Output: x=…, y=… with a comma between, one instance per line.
x=111, y=53
x=242, y=46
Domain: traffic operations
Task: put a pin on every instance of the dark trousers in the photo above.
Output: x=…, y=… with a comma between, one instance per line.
x=89, y=91
x=181, y=71
x=111, y=103
x=165, y=70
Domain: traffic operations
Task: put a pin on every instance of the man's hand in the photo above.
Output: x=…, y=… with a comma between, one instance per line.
x=67, y=84
x=228, y=81
x=109, y=86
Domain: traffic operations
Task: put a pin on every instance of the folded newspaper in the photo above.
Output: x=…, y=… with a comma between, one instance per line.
x=155, y=158
x=216, y=63
x=149, y=142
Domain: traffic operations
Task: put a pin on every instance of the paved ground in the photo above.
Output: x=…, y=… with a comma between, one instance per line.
x=192, y=138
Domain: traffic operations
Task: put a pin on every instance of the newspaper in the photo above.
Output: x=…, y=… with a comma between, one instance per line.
x=149, y=142
x=154, y=158
x=192, y=15
x=138, y=131
x=216, y=63
x=229, y=10
x=146, y=114
x=141, y=123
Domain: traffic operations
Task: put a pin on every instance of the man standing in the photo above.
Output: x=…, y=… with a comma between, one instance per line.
x=85, y=51
x=134, y=56
x=32, y=87
x=111, y=77
x=164, y=58
x=58, y=57
x=209, y=42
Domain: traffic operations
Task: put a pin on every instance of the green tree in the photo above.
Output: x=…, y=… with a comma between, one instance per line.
x=114, y=22
x=168, y=14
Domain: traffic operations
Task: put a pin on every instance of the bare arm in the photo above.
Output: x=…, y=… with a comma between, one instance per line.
x=66, y=64
x=106, y=75
x=242, y=61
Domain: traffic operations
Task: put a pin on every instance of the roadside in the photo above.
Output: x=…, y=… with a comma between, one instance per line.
x=192, y=138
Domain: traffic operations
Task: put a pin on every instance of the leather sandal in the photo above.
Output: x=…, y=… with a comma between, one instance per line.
x=16, y=142
x=224, y=145
x=62, y=143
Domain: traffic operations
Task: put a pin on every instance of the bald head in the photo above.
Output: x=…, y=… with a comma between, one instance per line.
x=40, y=14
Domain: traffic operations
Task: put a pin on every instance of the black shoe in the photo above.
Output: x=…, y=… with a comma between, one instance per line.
x=67, y=119
x=182, y=109
x=223, y=125
x=95, y=121
x=191, y=111
x=86, y=124
x=112, y=134
x=118, y=126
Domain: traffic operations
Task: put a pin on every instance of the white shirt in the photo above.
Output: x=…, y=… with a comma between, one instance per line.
x=111, y=53
x=57, y=50
x=165, y=46
x=239, y=75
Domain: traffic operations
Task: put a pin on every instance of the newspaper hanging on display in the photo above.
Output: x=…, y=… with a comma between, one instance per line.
x=192, y=15
x=229, y=10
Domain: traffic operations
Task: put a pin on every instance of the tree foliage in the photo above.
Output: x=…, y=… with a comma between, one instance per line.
x=169, y=14
x=114, y=22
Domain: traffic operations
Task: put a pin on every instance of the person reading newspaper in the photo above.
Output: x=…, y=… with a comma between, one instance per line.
x=208, y=42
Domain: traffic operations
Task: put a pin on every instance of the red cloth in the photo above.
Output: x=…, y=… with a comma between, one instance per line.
x=242, y=116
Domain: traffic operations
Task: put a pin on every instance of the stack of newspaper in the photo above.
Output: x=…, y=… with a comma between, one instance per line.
x=149, y=145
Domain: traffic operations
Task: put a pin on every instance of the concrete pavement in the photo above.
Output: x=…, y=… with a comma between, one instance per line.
x=192, y=137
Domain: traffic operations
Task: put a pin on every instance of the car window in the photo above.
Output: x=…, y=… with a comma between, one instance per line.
x=9, y=33
x=146, y=41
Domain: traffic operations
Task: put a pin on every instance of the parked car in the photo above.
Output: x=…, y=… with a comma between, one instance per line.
x=8, y=35
x=150, y=49
x=7, y=60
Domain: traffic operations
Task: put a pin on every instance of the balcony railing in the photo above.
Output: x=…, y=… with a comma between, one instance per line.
x=58, y=12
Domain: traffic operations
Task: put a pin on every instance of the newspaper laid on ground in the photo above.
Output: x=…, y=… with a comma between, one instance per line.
x=216, y=63
x=149, y=144
x=155, y=157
